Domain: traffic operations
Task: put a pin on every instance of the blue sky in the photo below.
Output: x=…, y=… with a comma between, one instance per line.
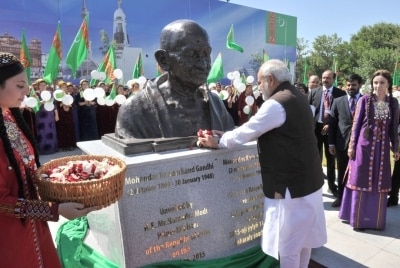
x=343, y=17
x=146, y=18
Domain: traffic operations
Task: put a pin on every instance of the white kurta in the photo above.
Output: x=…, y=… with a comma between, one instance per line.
x=289, y=224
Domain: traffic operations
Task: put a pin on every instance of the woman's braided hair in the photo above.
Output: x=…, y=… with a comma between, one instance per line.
x=388, y=77
x=9, y=67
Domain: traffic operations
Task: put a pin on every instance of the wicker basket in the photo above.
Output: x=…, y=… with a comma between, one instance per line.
x=98, y=192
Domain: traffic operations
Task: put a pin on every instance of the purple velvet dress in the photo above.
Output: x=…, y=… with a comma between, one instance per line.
x=369, y=174
x=46, y=131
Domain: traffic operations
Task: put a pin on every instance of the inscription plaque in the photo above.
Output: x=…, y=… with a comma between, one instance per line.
x=185, y=204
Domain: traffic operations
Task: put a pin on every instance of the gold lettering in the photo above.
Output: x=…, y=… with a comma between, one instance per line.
x=199, y=212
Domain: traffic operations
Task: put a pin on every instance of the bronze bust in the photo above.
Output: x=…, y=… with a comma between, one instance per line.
x=176, y=104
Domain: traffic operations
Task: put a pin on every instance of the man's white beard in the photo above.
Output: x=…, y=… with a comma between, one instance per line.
x=264, y=94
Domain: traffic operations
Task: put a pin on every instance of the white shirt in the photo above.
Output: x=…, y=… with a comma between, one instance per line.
x=270, y=115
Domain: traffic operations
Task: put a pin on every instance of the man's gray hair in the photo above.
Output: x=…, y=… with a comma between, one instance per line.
x=277, y=68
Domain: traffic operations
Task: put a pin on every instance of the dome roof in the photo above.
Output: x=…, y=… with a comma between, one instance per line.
x=119, y=13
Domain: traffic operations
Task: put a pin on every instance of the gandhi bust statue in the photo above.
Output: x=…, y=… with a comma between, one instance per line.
x=175, y=104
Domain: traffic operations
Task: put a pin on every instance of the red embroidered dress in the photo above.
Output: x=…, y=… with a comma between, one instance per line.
x=25, y=238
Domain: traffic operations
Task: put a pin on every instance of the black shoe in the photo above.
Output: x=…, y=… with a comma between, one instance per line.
x=392, y=202
x=359, y=229
x=336, y=203
x=334, y=192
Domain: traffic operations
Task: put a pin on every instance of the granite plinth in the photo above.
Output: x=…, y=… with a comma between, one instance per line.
x=137, y=146
x=191, y=204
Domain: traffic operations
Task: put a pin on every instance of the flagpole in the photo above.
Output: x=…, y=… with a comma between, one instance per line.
x=285, y=39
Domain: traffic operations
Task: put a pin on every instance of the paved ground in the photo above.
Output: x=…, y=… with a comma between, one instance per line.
x=345, y=247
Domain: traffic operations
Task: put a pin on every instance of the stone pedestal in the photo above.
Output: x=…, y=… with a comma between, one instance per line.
x=193, y=204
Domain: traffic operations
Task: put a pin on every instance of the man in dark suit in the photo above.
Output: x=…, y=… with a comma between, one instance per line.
x=340, y=123
x=322, y=99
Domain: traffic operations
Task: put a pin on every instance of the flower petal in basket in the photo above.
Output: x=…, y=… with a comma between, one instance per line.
x=97, y=192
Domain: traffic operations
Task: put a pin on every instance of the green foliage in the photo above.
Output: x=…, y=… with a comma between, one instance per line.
x=301, y=56
x=257, y=60
x=105, y=42
x=371, y=48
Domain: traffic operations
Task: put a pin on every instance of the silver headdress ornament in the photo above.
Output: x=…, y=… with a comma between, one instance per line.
x=7, y=59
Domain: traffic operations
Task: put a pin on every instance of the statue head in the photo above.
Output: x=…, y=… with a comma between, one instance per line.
x=185, y=52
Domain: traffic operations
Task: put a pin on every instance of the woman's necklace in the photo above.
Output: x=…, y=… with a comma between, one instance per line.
x=381, y=109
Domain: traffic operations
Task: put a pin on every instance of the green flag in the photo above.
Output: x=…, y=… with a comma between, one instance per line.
x=138, y=69
x=265, y=56
x=305, y=77
x=230, y=41
x=79, y=48
x=281, y=29
x=287, y=62
x=33, y=94
x=113, y=92
x=334, y=69
x=54, y=58
x=217, y=70
x=395, y=80
x=244, y=79
x=25, y=57
x=159, y=71
x=108, y=65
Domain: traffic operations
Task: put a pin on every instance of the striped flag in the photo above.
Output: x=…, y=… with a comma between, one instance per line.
x=281, y=29
x=108, y=65
x=25, y=57
x=79, y=48
x=54, y=58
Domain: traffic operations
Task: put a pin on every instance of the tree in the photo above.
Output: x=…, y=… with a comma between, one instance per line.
x=302, y=53
x=105, y=42
x=257, y=59
x=324, y=52
x=376, y=47
x=371, y=48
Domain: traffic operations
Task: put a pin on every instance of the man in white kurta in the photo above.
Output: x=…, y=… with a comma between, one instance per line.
x=293, y=224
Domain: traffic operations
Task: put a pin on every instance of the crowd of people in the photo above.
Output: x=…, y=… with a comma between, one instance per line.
x=90, y=120
x=59, y=129
x=354, y=134
x=294, y=125
x=235, y=101
x=359, y=131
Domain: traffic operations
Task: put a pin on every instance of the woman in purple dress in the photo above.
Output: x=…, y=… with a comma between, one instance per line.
x=373, y=135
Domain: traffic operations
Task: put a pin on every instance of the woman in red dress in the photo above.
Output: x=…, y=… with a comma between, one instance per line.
x=25, y=238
